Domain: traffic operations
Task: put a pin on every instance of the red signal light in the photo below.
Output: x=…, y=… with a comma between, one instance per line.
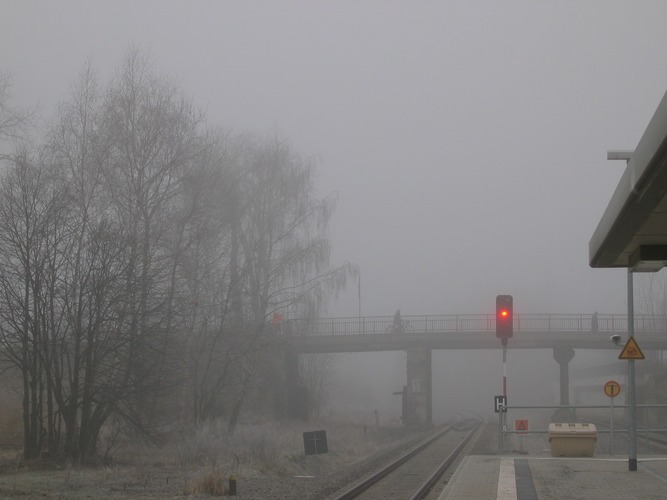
x=504, y=319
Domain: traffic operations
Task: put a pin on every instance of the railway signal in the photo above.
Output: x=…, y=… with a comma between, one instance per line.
x=504, y=317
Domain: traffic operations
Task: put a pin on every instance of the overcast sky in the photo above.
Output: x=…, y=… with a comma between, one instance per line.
x=467, y=140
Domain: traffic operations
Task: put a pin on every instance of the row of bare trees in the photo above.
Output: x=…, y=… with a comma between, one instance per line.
x=140, y=257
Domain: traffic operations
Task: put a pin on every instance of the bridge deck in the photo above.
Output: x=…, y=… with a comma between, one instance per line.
x=470, y=331
x=612, y=323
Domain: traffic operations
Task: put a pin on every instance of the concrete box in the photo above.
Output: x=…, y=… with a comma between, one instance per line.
x=572, y=440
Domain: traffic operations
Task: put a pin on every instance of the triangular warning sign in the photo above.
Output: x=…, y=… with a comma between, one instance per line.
x=631, y=350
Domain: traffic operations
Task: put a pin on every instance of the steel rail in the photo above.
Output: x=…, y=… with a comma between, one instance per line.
x=426, y=487
x=374, y=478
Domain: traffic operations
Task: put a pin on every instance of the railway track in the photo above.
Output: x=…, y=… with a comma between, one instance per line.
x=654, y=439
x=413, y=474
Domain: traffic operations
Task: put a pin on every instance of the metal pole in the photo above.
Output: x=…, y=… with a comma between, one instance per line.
x=359, y=283
x=611, y=427
x=500, y=431
x=632, y=402
x=505, y=368
x=503, y=413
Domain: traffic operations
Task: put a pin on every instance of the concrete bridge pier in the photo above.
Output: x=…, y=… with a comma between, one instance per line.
x=418, y=393
x=563, y=356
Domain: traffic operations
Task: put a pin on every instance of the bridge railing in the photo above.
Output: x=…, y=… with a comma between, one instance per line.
x=462, y=323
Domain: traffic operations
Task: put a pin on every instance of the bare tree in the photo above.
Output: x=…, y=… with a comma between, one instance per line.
x=154, y=138
x=91, y=265
x=139, y=254
x=13, y=122
x=203, y=277
x=29, y=207
x=316, y=375
x=259, y=247
x=283, y=229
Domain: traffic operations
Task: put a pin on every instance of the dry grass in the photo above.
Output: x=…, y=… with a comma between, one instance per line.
x=211, y=482
x=199, y=463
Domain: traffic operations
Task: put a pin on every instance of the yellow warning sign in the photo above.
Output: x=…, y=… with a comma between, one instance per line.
x=521, y=425
x=631, y=350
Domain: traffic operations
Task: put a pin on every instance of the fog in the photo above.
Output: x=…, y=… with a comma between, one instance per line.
x=468, y=381
x=466, y=141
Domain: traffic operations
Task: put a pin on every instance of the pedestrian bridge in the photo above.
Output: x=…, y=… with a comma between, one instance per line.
x=469, y=331
x=420, y=335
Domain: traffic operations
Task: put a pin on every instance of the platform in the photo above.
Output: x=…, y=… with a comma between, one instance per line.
x=547, y=478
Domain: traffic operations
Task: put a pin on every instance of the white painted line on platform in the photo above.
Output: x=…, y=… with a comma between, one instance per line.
x=506, y=480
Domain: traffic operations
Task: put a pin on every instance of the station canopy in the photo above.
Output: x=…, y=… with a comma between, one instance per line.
x=633, y=230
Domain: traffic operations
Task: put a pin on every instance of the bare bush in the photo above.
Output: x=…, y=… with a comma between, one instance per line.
x=211, y=482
